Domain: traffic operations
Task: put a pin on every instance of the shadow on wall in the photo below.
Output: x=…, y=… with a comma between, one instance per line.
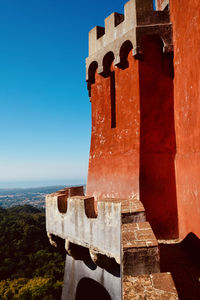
x=90, y=289
x=157, y=138
x=183, y=261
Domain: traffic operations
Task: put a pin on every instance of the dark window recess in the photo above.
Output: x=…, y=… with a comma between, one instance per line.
x=112, y=98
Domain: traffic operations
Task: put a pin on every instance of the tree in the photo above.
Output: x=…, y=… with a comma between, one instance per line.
x=29, y=265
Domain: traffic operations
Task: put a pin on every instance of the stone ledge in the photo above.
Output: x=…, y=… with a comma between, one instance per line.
x=127, y=205
x=132, y=210
x=140, y=249
x=80, y=225
x=159, y=286
x=135, y=235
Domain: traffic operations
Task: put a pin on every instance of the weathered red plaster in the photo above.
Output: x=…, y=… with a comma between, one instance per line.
x=185, y=16
x=114, y=154
x=157, y=138
x=153, y=152
x=136, y=159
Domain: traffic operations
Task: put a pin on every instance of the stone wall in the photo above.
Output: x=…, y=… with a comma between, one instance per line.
x=108, y=246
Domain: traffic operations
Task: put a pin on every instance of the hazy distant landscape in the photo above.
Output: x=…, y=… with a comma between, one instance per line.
x=30, y=196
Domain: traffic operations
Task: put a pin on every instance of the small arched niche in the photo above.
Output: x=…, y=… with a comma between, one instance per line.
x=107, y=71
x=90, y=289
x=124, y=52
x=62, y=203
x=91, y=75
x=91, y=72
x=107, y=62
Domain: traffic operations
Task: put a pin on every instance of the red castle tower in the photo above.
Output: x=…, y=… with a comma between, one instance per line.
x=130, y=80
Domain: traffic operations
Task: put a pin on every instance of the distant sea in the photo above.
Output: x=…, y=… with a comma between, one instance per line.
x=41, y=183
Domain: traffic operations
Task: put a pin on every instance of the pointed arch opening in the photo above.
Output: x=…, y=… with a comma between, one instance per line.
x=124, y=52
x=91, y=72
x=107, y=62
x=107, y=72
x=91, y=75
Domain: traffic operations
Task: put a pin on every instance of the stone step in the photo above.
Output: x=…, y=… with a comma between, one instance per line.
x=110, y=233
x=140, y=249
x=159, y=286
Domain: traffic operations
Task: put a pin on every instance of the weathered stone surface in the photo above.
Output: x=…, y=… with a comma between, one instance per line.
x=98, y=241
x=132, y=26
x=63, y=195
x=140, y=249
x=149, y=287
x=82, y=226
x=132, y=210
x=138, y=235
x=76, y=270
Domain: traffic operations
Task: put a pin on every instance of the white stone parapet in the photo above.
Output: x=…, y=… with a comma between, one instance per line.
x=112, y=235
x=81, y=226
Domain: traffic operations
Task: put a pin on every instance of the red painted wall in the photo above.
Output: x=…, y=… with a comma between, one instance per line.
x=136, y=159
x=185, y=16
x=153, y=154
x=114, y=154
x=157, y=139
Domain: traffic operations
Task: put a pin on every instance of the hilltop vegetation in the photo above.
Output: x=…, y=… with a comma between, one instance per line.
x=30, y=268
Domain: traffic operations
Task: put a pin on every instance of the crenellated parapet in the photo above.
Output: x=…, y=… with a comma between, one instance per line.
x=91, y=225
x=109, y=239
x=85, y=224
x=139, y=19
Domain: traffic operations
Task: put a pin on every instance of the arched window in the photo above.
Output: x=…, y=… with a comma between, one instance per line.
x=124, y=52
x=91, y=72
x=91, y=75
x=107, y=62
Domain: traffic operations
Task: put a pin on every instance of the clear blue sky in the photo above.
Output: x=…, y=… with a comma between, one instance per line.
x=45, y=111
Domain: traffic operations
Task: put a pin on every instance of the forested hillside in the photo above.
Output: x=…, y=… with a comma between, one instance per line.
x=30, y=268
